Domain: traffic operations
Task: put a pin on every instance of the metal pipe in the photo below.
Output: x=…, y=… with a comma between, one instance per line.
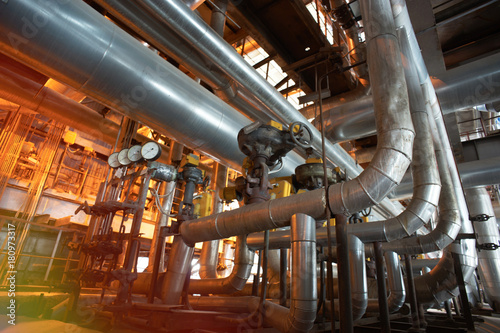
x=412, y=295
x=244, y=259
x=486, y=230
x=392, y=158
x=302, y=313
x=397, y=292
x=283, y=276
x=344, y=280
x=427, y=185
x=112, y=67
x=385, y=325
x=8, y=106
x=193, y=4
x=359, y=290
x=165, y=40
x=448, y=224
x=24, y=86
x=195, y=31
x=208, y=260
x=426, y=190
x=482, y=172
x=463, y=87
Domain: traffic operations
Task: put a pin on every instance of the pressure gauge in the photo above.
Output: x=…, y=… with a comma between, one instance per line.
x=151, y=151
x=134, y=153
x=123, y=157
x=113, y=161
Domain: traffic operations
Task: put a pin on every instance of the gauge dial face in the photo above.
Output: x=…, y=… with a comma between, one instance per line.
x=123, y=157
x=151, y=151
x=134, y=153
x=113, y=161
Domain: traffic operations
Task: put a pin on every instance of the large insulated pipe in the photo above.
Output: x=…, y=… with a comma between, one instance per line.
x=189, y=26
x=179, y=262
x=24, y=86
x=74, y=44
x=8, y=106
x=402, y=18
x=359, y=288
x=426, y=181
x=473, y=174
x=135, y=18
x=426, y=190
x=486, y=229
x=303, y=299
x=243, y=262
x=199, y=34
x=372, y=185
x=177, y=16
x=395, y=283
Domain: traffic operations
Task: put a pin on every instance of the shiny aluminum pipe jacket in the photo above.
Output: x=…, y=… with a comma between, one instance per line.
x=8, y=106
x=396, y=285
x=479, y=202
x=178, y=266
x=303, y=299
x=77, y=46
x=427, y=185
x=243, y=262
x=371, y=186
x=473, y=174
x=134, y=17
x=440, y=284
x=419, y=211
x=199, y=34
x=180, y=19
x=21, y=85
x=359, y=288
x=402, y=18
x=208, y=259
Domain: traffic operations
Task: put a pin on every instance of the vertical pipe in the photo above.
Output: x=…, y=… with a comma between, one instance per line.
x=56, y=245
x=463, y=293
x=134, y=244
x=179, y=263
x=411, y=293
x=283, y=270
x=345, y=301
x=486, y=229
x=385, y=324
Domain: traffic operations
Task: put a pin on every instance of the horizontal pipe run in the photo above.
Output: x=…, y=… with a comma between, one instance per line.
x=106, y=64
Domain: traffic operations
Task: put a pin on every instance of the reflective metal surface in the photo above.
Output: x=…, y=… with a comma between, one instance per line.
x=243, y=262
x=179, y=264
x=21, y=85
x=79, y=47
x=479, y=202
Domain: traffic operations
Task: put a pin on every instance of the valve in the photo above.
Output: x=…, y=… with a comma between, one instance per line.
x=300, y=134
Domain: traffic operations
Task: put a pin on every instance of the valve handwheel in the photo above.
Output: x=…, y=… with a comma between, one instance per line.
x=300, y=134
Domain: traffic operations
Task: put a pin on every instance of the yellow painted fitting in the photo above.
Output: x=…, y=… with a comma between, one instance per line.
x=314, y=160
x=69, y=137
x=190, y=159
x=283, y=189
x=275, y=125
x=203, y=205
